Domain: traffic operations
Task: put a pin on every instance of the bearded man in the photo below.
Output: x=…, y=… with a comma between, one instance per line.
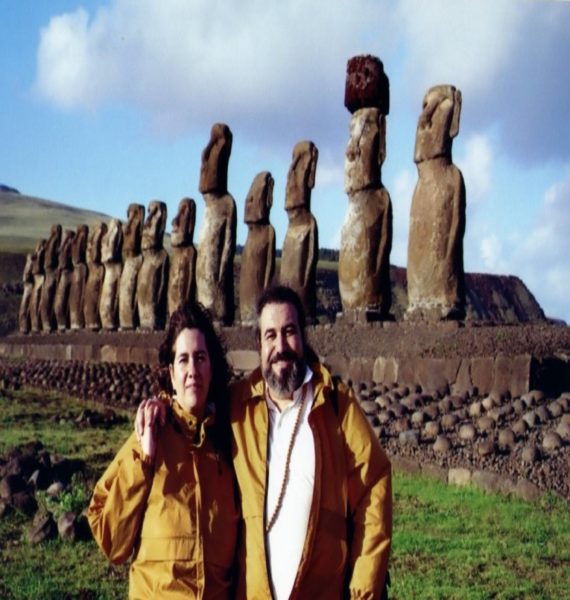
x=315, y=484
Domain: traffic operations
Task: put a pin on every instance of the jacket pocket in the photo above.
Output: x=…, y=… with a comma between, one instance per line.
x=169, y=549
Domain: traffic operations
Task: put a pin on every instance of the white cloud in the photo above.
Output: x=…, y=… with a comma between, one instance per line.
x=270, y=68
x=476, y=166
x=491, y=254
x=507, y=58
x=462, y=43
x=543, y=256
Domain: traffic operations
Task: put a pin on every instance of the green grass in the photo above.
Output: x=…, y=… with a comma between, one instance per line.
x=449, y=543
x=462, y=543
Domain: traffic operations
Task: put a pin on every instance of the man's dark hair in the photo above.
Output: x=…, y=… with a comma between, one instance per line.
x=281, y=294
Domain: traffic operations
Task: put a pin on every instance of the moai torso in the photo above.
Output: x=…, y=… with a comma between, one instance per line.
x=152, y=280
x=28, y=281
x=216, y=250
x=301, y=245
x=50, y=283
x=78, y=278
x=258, y=257
x=95, y=275
x=436, y=288
x=111, y=249
x=366, y=236
x=65, y=270
x=182, y=273
x=132, y=262
x=38, y=274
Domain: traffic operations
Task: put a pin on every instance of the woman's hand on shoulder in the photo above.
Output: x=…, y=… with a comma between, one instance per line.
x=151, y=414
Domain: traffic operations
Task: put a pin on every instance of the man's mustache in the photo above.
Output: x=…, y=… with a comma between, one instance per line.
x=286, y=355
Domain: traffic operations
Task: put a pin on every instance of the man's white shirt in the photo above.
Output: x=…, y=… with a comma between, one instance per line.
x=286, y=539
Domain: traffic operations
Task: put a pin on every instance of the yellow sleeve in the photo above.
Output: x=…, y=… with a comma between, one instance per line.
x=119, y=501
x=369, y=500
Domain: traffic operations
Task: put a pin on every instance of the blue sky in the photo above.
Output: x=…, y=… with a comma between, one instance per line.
x=105, y=103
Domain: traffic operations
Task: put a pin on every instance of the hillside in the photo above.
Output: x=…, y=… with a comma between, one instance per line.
x=25, y=219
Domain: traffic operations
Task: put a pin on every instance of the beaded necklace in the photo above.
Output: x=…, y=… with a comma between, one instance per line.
x=277, y=508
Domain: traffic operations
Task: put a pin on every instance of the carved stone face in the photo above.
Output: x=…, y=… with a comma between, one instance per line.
x=301, y=176
x=64, y=260
x=153, y=231
x=79, y=245
x=52, y=248
x=38, y=256
x=366, y=149
x=94, y=243
x=27, y=274
x=259, y=199
x=132, y=232
x=112, y=242
x=439, y=123
x=183, y=223
x=215, y=160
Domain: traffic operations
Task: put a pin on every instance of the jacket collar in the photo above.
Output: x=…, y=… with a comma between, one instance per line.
x=189, y=425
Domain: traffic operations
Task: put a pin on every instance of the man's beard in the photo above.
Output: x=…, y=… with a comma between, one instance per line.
x=290, y=378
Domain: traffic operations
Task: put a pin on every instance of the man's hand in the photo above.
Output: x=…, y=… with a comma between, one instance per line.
x=151, y=413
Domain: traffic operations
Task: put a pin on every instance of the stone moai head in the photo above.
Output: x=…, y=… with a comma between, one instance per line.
x=215, y=160
x=94, y=243
x=439, y=123
x=52, y=248
x=259, y=199
x=132, y=231
x=112, y=242
x=153, y=230
x=79, y=246
x=27, y=273
x=64, y=257
x=301, y=176
x=183, y=224
x=38, y=256
x=366, y=85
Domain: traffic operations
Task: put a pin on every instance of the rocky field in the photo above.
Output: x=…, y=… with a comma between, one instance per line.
x=519, y=445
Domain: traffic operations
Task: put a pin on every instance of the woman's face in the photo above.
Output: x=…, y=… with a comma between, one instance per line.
x=191, y=371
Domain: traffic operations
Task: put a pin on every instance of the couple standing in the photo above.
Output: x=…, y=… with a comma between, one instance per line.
x=313, y=484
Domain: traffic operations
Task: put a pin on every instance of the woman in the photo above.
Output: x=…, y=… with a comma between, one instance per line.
x=169, y=501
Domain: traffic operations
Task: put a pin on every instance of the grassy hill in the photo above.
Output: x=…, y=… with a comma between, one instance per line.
x=25, y=219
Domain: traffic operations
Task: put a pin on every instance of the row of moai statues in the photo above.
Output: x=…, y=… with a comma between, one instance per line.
x=121, y=277
x=125, y=278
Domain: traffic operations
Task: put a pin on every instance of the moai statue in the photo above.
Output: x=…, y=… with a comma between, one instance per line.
x=152, y=281
x=217, y=246
x=28, y=281
x=50, y=283
x=301, y=245
x=95, y=275
x=38, y=257
x=132, y=262
x=258, y=257
x=111, y=257
x=78, y=278
x=182, y=274
x=366, y=236
x=64, y=275
x=436, y=286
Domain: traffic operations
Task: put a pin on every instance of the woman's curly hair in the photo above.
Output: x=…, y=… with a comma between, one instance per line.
x=195, y=316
